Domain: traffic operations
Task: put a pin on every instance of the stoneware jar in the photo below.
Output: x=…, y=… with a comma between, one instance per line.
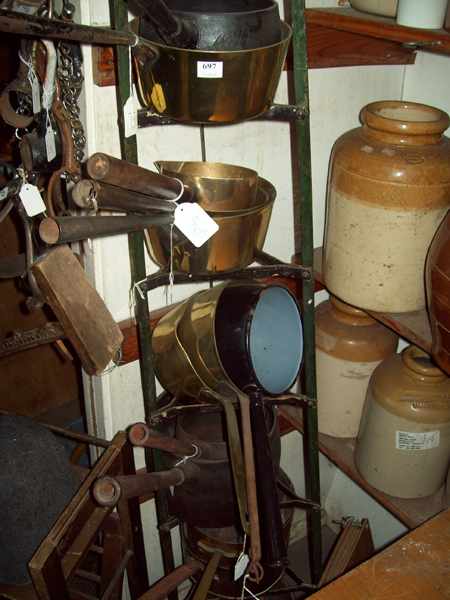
x=388, y=191
x=349, y=346
x=422, y=14
x=403, y=445
x=438, y=294
x=385, y=8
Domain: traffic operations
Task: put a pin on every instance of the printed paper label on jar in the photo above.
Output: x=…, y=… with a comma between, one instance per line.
x=410, y=440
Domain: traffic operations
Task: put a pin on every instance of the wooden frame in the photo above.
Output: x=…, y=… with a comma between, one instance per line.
x=58, y=558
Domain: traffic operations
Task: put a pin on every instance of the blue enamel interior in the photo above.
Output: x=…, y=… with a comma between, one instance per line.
x=276, y=340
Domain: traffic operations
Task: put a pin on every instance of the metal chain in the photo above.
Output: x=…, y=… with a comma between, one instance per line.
x=70, y=76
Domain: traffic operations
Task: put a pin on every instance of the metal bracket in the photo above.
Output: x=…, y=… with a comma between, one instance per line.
x=277, y=112
x=422, y=45
x=269, y=266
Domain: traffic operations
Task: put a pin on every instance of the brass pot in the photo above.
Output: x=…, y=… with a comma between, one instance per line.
x=173, y=365
x=240, y=235
x=216, y=187
x=186, y=359
x=205, y=86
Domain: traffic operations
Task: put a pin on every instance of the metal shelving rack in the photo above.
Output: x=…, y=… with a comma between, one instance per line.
x=299, y=115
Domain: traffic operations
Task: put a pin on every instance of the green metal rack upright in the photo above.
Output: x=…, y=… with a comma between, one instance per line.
x=304, y=247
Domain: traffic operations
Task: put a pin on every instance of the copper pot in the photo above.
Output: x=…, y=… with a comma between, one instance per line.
x=241, y=233
x=438, y=294
x=209, y=499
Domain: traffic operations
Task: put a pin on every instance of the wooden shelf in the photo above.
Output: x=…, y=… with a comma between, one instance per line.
x=340, y=451
x=412, y=326
x=353, y=21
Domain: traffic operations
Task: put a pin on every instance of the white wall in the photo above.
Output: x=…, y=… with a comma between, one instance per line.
x=336, y=95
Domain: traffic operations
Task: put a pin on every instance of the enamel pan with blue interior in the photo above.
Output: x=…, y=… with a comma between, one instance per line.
x=259, y=336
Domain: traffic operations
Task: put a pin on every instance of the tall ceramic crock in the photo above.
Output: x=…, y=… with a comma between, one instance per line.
x=403, y=445
x=349, y=347
x=388, y=191
x=438, y=294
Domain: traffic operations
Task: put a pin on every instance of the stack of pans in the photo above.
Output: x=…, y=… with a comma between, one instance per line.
x=236, y=198
x=242, y=334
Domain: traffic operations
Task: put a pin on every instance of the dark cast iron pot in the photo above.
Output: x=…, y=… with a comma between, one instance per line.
x=224, y=24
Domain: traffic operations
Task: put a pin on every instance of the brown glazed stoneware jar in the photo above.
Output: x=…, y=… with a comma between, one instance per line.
x=438, y=294
x=388, y=190
x=403, y=446
x=349, y=346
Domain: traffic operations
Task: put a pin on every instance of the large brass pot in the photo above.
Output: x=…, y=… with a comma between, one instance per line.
x=205, y=86
x=240, y=235
x=173, y=365
x=217, y=187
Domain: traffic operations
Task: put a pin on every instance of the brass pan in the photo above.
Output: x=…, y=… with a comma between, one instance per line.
x=238, y=333
x=217, y=187
x=240, y=235
x=173, y=365
x=178, y=84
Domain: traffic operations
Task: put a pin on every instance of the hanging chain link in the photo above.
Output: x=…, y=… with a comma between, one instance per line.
x=70, y=76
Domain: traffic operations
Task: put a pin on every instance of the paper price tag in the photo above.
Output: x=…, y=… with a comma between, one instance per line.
x=209, y=70
x=32, y=200
x=241, y=566
x=4, y=193
x=130, y=117
x=195, y=223
x=35, y=92
x=50, y=145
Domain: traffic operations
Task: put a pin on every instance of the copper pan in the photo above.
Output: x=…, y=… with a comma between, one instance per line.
x=243, y=84
x=216, y=187
x=240, y=235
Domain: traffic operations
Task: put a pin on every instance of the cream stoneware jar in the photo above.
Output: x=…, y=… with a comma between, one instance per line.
x=349, y=346
x=403, y=446
x=388, y=191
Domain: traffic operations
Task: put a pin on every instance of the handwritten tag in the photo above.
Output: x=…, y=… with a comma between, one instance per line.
x=32, y=200
x=209, y=70
x=50, y=144
x=130, y=117
x=241, y=566
x=195, y=223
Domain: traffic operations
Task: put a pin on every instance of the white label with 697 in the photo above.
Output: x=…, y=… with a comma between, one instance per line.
x=210, y=70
